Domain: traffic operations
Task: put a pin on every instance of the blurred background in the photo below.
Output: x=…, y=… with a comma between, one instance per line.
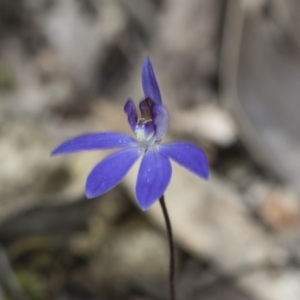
x=229, y=73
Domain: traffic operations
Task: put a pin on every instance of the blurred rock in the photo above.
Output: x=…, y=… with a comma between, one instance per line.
x=201, y=282
x=29, y=176
x=133, y=252
x=204, y=214
x=6, y=77
x=280, y=208
x=210, y=220
x=39, y=82
x=268, y=88
x=8, y=279
x=106, y=213
x=185, y=51
x=43, y=226
x=273, y=284
x=24, y=169
x=209, y=122
x=196, y=58
x=67, y=67
x=80, y=37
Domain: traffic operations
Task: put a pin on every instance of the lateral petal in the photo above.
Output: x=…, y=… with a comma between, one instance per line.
x=131, y=113
x=149, y=82
x=187, y=155
x=95, y=141
x=161, y=121
x=153, y=178
x=110, y=171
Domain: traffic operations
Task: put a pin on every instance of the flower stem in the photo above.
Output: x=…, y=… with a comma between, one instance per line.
x=171, y=245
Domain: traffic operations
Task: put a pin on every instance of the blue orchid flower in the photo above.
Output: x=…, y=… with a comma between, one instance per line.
x=150, y=127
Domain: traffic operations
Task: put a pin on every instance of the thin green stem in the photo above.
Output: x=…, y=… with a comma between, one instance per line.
x=171, y=245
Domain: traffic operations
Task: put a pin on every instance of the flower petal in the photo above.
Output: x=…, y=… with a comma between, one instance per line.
x=188, y=156
x=153, y=178
x=110, y=171
x=131, y=113
x=95, y=141
x=149, y=82
x=161, y=121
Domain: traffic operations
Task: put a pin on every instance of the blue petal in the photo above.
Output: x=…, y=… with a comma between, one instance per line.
x=95, y=141
x=188, y=156
x=153, y=178
x=149, y=82
x=131, y=113
x=110, y=171
x=161, y=121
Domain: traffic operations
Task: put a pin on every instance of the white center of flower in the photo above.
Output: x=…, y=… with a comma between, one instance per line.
x=144, y=131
